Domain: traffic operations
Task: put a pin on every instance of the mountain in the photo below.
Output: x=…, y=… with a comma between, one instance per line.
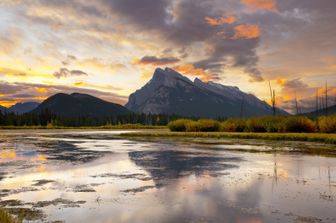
x=76, y=104
x=3, y=109
x=331, y=111
x=21, y=108
x=306, y=105
x=169, y=92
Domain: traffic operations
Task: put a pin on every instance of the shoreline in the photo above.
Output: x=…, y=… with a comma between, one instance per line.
x=300, y=137
x=164, y=132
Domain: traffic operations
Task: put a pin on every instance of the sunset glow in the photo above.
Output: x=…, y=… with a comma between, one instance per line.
x=110, y=48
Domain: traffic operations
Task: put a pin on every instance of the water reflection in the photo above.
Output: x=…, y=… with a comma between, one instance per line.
x=95, y=177
x=165, y=166
x=7, y=154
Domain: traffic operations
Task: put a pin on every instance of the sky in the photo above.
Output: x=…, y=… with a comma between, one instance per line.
x=110, y=48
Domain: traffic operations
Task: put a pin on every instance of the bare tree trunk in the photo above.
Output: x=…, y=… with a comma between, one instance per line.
x=326, y=99
x=272, y=98
x=317, y=106
x=296, y=105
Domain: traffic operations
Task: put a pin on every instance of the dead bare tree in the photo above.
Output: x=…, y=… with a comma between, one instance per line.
x=326, y=98
x=322, y=103
x=317, y=104
x=296, y=105
x=272, y=98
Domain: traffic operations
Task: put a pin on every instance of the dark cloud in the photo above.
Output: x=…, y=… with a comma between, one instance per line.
x=149, y=14
x=77, y=73
x=23, y=96
x=16, y=97
x=69, y=60
x=64, y=72
x=179, y=22
x=183, y=23
x=7, y=88
x=295, y=84
x=289, y=28
x=157, y=60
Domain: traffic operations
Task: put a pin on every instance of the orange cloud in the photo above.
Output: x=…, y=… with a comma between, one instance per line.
x=220, y=21
x=247, y=32
x=79, y=84
x=281, y=81
x=189, y=69
x=261, y=4
x=331, y=91
x=42, y=90
x=7, y=103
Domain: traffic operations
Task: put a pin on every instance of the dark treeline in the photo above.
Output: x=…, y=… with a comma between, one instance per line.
x=46, y=118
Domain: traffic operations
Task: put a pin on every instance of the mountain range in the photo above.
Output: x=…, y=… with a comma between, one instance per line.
x=20, y=108
x=169, y=92
x=321, y=112
x=3, y=109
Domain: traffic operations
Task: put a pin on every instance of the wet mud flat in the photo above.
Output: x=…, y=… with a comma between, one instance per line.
x=96, y=176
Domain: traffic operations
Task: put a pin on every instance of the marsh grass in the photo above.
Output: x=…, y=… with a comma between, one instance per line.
x=267, y=124
x=307, y=137
x=233, y=125
x=188, y=125
x=5, y=217
x=327, y=124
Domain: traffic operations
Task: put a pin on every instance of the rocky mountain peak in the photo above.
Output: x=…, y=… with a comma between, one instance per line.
x=169, y=92
x=167, y=77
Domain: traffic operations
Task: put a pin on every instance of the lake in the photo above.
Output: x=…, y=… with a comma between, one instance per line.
x=97, y=176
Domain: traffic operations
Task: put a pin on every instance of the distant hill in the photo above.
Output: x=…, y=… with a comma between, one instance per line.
x=22, y=108
x=331, y=111
x=169, y=92
x=76, y=104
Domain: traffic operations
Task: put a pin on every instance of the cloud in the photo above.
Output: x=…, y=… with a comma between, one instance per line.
x=175, y=23
x=157, y=61
x=95, y=63
x=11, y=72
x=295, y=88
x=23, y=92
x=295, y=84
x=189, y=69
x=11, y=40
x=69, y=59
x=9, y=2
x=247, y=32
x=149, y=24
x=64, y=72
x=306, y=99
x=220, y=21
x=261, y=4
x=7, y=88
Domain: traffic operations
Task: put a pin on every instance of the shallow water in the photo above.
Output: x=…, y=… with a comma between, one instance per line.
x=94, y=176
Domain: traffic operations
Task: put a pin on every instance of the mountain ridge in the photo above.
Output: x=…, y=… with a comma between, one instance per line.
x=22, y=108
x=169, y=92
x=77, y=104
